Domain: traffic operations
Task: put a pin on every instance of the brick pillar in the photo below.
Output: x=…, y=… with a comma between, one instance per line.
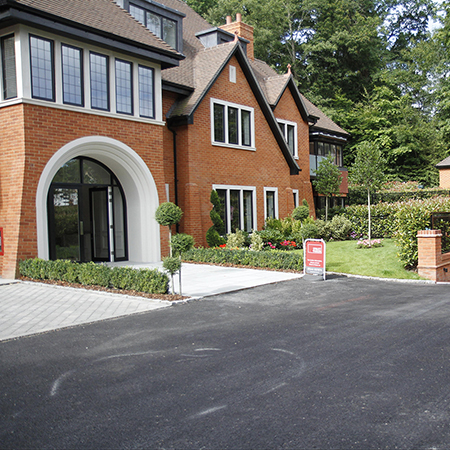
x=429, y=251
x=289, y=201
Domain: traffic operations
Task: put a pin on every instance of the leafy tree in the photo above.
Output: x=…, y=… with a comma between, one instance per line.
x=368, y=171
x=168, y=214
x=328, y=180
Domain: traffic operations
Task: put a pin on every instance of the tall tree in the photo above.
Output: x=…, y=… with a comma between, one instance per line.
x=368, y=171
x=328, y=180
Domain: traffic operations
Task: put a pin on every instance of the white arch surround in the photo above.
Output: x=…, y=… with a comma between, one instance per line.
x=138, y=185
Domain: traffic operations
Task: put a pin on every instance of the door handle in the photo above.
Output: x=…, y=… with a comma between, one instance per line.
x=81, y=228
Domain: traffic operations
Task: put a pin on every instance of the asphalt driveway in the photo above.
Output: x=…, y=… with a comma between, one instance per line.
x=341, y=364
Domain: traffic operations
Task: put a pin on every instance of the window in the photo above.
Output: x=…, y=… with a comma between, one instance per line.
x=162, y=27
x=42, y=68
x=295, y=193
x=239, y=207
x=124, y=87
x=231, y=124
x=271, y=203
x=232, y=74
x=72, y=78
x=146, y=90
x=9, y=67
x=99, y=81
x=289, y=131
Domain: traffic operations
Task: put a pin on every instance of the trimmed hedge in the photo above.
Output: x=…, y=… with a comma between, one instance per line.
x=358, y=195
x=265, y=259
x=91, y=274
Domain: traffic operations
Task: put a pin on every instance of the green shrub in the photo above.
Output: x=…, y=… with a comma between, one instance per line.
x=309, y=231
x=272, y=235
x=181, y=242
x=265, y=259
x=171, y=264
x=300, y=213
x=273, y=224
x=256, y=242
x=214, y=234
x=144, y=280
x=236, y=240
x=94, y=274
x=168, y=214
x=340, y=228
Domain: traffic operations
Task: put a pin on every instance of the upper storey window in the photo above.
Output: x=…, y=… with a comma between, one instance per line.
x=289, y=130
x=72, y=74
x=232, y=125
x=42, y=68
x=163, y=23
x=8, y=67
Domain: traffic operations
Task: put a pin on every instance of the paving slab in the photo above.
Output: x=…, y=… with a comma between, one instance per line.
x=27, y=308
x=201, y=280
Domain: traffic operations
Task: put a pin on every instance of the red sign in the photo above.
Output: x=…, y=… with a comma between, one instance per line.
x=314, y=257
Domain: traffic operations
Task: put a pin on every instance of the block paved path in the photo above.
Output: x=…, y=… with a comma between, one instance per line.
x=27, y=308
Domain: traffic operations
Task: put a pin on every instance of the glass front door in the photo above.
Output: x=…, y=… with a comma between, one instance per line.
x=86, y=213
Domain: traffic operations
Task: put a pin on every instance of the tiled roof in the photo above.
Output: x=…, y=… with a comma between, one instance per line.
x=103, y=15
x=324, y=121
x=444, y=163
x=206, y=65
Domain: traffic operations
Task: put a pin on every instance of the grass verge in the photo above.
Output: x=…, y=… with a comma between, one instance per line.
x=345, y=257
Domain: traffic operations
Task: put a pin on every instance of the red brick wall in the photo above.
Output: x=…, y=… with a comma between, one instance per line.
x=30, y=135
x=200, y=164
x=286, y=109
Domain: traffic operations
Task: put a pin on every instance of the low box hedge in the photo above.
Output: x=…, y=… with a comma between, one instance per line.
x=91, y=274
x=280, y=260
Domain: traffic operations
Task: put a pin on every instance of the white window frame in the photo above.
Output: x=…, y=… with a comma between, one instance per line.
x=275, y=191
x=296, y=198
x=232, y=74
x=293, y=124
x=228, y=188
x=239, y=145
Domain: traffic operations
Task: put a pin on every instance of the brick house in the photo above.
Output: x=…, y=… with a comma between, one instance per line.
x=110, y=108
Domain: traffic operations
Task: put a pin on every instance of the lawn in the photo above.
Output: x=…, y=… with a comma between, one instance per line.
x=345, y=257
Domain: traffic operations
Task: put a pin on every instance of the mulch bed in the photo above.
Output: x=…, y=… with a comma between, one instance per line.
x=166, y=297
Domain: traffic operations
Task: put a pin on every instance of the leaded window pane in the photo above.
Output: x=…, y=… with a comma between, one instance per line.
x=219, y=123
x=137, y=13
x=233, y=126
x=99, y=81
x=154, y=23
x=146, y=100
x=41, y=52
x=72, y=79
x=9, y=67
x=124, y=89
x=170, y=32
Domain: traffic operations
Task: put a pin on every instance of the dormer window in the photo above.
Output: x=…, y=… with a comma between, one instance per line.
x=161, y=21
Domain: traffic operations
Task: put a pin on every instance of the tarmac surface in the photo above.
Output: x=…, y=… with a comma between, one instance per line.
x=348, y=363
x=28, y=308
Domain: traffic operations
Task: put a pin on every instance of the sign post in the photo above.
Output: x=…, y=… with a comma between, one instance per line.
x=314, y=252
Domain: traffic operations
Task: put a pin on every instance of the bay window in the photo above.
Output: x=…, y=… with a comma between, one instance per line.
x=9, y=67
x=42, y=68
x=72, y=75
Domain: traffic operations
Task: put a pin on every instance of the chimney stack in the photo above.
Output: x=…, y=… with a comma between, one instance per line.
x=243, y=30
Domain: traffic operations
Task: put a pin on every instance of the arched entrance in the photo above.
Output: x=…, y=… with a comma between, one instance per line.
x=86, y=213
x=128, y=174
